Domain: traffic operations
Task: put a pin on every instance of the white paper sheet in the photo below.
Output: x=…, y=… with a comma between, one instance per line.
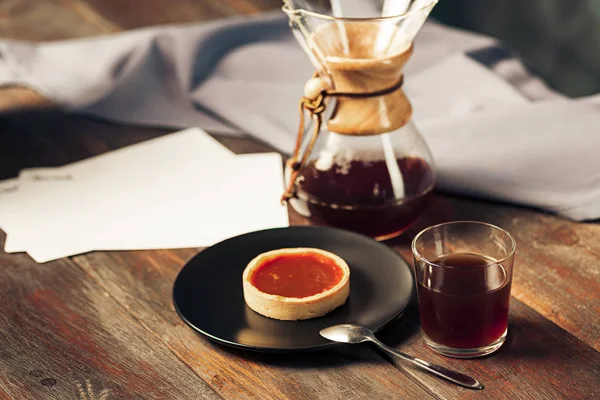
x=8, y=186
x=182, y=190
x=152, y=159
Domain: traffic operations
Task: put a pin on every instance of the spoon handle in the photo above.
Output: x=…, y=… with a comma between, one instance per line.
x=445, y=373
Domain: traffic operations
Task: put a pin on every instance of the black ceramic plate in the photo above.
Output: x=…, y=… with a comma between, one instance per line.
x=208, y=291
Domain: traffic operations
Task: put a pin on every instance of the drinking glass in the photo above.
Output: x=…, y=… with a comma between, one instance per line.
x=463, y=274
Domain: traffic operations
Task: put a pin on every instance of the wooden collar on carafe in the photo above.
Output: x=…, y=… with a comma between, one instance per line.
x=313, y=102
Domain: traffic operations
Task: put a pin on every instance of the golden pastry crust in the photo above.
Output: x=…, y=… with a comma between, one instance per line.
x=293, y=308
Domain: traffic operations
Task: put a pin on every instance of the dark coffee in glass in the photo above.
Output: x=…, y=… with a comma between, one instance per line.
x=463, y=274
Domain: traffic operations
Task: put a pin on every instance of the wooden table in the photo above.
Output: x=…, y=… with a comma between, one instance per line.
x=102, y=325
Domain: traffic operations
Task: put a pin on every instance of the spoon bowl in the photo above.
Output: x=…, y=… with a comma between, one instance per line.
x=347, y=333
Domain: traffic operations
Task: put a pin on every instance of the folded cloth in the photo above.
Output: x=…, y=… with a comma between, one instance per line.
x=245, y=75
x=229, y=76
x=543, y=154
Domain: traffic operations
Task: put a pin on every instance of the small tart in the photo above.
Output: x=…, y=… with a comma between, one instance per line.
x=296, y=283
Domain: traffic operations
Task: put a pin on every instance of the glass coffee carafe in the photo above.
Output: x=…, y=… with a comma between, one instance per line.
x=362, y=165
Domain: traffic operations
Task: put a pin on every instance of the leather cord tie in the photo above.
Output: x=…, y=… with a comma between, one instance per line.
x=315, y=108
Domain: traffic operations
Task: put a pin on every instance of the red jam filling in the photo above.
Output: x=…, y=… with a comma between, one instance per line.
x=296, y=275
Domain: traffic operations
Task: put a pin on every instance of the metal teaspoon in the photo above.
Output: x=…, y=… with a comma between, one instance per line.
x=348, y=333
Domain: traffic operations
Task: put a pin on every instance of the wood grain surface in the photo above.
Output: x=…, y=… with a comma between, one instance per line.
x=102, y=325
x=50, y=20
x=60, y=331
